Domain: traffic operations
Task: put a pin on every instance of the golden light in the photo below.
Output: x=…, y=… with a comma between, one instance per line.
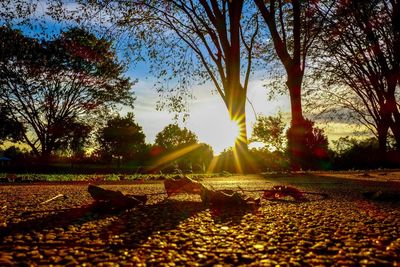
x=172, y=156
x=233, y=132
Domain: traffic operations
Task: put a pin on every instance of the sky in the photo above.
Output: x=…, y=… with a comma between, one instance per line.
x=208, y=116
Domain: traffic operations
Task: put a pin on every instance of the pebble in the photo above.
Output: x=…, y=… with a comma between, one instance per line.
x=183, y=232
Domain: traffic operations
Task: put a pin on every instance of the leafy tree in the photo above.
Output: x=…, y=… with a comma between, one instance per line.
x=9, y=129
x=122, y=137
x=360, y=67
x=190, y=42
x=76, y=139
x=199, y=159
x=357, y=154
x=182, y=146
x=14, y=153
x=293, y=26
x=270, y=130
x=172, y=137
x=315, y=146
x=50, y=84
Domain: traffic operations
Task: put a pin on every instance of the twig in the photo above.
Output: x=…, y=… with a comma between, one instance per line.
x=53, y=198
x=324, y=195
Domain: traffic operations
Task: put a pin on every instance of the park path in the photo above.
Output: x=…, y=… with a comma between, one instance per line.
x=342, y=230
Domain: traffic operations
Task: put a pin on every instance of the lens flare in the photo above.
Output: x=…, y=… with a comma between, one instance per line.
x=233, y=132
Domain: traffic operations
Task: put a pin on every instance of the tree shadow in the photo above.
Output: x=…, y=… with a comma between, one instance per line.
x=135, y=225
x=231, y=214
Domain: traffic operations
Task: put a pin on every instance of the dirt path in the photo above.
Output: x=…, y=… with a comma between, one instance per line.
x=344, y=229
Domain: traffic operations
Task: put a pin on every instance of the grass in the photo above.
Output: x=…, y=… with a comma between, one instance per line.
x=32, y=177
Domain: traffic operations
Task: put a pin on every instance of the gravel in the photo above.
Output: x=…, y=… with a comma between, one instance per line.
x=341, y=230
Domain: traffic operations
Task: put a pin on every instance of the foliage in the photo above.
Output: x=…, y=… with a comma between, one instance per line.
x=172, y=137
x=50, y=84
x=270, y=131
x=356, y=154
x=293, y=26
x=9, y=129
x=122, y=137
x=359, y=69
x=199, y=159
x=314, y=146
x=270, y=161
x=14, y=153
x=190, y=42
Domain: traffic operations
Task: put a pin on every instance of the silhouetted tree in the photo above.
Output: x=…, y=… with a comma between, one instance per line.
x=351, y=153
x=172, y=137
x=360, y=67
x=193, y=41
x=50, y=84
x=122, y=138
x=315, y=151
x=293, y=27
x=9, y=129
x=77, y=139
x=183, y=147
x=199, y=159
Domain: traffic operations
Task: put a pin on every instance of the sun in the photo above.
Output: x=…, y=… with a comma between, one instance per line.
x=233, y=132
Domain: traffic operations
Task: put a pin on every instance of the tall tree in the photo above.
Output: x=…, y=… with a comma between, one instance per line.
x=361, y=65
x=50, y=84
x=122, y=137
x=293, y=28
x=195, y=41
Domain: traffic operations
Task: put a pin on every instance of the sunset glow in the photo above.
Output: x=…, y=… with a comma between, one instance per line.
x=233, y=132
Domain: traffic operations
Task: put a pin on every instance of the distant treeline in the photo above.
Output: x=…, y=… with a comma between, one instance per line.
x=351, y=154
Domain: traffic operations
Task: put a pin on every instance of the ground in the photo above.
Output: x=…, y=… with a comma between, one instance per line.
x=344, y=229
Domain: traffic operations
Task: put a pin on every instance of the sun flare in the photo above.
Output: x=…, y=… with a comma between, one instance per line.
x=233, y=132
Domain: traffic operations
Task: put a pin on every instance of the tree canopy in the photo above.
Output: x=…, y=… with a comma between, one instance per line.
x=122, y=137
x=49, y=84
x=360, y=68
x=172, y=137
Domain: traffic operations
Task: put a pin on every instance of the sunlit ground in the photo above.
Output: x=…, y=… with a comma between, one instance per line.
x=343, y=229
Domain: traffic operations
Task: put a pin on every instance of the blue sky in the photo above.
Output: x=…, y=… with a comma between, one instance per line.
x=208, y=116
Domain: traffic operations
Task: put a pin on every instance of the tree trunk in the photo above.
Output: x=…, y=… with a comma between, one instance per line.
x=296, y=134
x=395, y=127
x=382, y=137
x=44, y=158
x=237, y=113
x=395, y=124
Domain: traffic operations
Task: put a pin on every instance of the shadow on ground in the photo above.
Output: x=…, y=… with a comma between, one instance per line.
x=135, y=226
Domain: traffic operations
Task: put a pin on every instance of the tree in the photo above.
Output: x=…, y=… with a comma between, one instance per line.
x=361, y=65
x=122, y=138
x=9, y=129
x=49, y=84
x=180, y=147
x=315, y=150
x=293, y=28
x=270, y=130
x=200, y=158
x=76, y=139
x=172, y=137
x=194, y=41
